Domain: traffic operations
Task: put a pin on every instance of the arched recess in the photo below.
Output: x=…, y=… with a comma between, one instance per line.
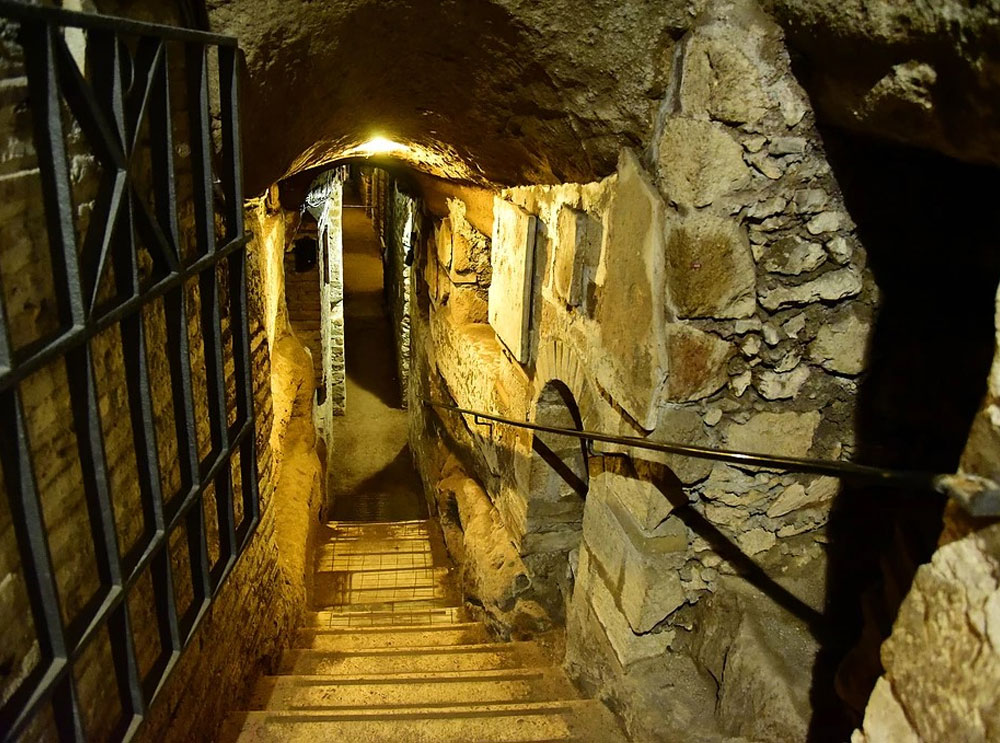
x=558, y=480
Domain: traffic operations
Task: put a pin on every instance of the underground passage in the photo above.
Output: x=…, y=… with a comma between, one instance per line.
x=453, y=371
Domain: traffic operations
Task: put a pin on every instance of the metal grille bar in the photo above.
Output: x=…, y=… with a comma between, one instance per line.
x=127, y=84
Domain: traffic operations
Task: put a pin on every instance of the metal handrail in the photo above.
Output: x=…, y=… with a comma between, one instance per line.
x=980, y=497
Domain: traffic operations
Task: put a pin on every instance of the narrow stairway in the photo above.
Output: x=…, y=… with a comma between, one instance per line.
x=389, y=654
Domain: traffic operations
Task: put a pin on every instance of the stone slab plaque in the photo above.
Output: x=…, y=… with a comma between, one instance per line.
x=513, y=258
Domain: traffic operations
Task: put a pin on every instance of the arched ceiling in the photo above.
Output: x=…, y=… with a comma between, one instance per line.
x=542, y=91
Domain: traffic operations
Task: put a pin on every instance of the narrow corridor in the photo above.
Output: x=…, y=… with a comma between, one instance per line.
x=371, y=473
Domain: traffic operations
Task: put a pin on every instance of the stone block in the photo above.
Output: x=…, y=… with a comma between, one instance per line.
x=774, y=385
x=793, y=256
x=556, y=540
x=578, y=249
x=641, y=498
x=830, y=287
x=628, y=646
x=755, y=541
x=651, y=591
x=470, y=249
x=710, y=270
x=885, y=720
x=443, y=243
x=513, y=259
x=696, y=362
x=631, y=365
x=840, y=346
x=698, y=162
x=469, y=304
x=720, y=81
x=786, y=434
x=603, y=533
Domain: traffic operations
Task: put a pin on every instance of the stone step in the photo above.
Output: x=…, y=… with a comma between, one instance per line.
x=575, y=720
x=328, y=557
x=417, y=659
x=421, y=635
x=401, y=690
x=379, y=530
x=371, y=588
x=401, y=616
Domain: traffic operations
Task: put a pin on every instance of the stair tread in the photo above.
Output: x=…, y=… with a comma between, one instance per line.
x=353, y=618
x=452, y=635
x=423, y=690
x=413, y=659
x=499, y=723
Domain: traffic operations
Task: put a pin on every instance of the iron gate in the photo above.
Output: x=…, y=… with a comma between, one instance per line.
x=121, y=87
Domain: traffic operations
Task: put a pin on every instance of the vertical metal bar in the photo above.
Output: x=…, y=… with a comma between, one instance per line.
x=39, y=42
x=218, y=414
x=239, y=309
x=201, y=146
x=186, y=429
x=161, y=138
x=200, y=574
x=143, y=419
x=231, y=148
x=126, y=664
x=28, y=521
x=90, y=442
x=4, y=334
x=201, y=160
x=182, y=386
x=69, y=727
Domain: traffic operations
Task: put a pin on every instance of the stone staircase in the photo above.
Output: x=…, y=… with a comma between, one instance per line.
x=390, y=655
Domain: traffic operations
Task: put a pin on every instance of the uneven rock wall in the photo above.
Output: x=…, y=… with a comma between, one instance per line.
x=331, y=279
x=402, y=232
x=712, y=291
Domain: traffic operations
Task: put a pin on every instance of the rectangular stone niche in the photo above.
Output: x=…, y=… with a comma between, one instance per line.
x=513, y=257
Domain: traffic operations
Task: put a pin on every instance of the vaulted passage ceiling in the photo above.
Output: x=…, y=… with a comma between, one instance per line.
x=541, y=91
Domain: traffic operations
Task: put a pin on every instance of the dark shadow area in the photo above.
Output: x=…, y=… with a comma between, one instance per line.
x=561, y=468
x=928, y=225
x=391, y=494
x=673, y=490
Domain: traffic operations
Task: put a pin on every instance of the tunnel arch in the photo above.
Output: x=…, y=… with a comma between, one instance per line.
x=557, y=484
x=499, y=86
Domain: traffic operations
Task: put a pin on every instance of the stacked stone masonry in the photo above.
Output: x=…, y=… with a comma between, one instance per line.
x=712, y=291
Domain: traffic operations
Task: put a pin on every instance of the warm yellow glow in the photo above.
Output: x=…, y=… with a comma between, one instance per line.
x=378, y=146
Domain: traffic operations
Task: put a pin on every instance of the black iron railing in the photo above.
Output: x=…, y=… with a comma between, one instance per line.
x=979, y=497
x=123, y=95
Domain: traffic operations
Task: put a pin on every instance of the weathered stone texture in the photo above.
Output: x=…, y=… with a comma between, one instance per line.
x=698, y=162
x=942, y=661
x=783, y=434
x=840, y=346
x=710, y=272
x=513, y=261
x=579, y=249
x=630, y=309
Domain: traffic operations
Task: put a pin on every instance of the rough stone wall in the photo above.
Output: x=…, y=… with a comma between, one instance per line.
x=398, y=257
x=712, y=292
x=331, y=287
